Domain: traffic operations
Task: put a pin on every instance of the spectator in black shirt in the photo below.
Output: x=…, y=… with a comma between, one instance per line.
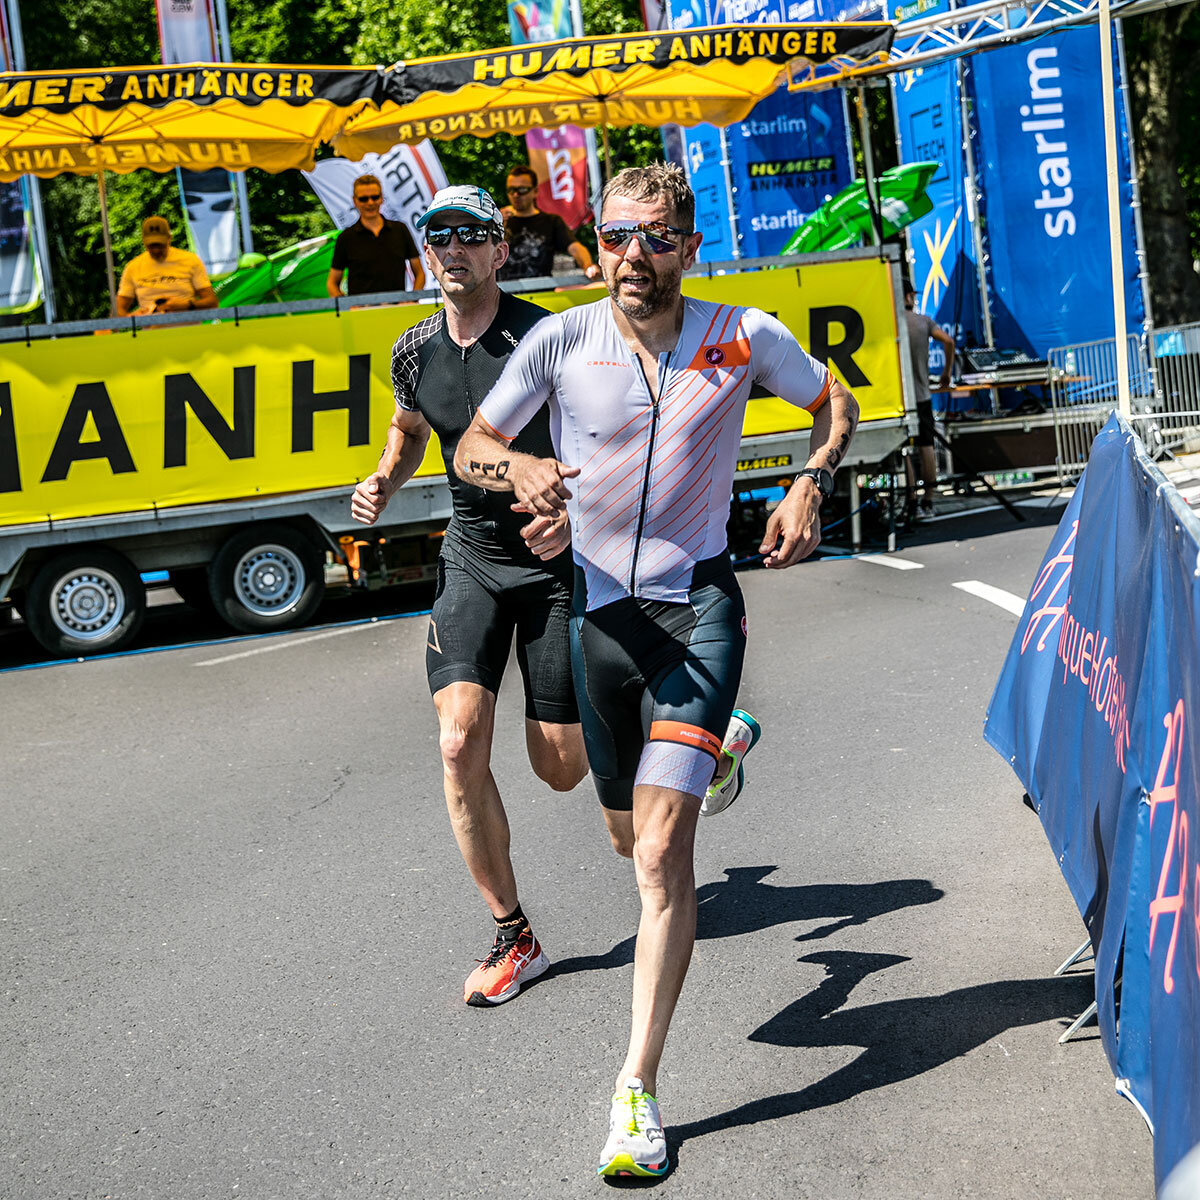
x=533, y=236
x=375, y=250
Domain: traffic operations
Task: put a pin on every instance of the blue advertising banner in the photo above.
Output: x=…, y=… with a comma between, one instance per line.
x=1096, y=711
x=1042, y=174
x=784, y=161
x=787, y=158
x=944, y=271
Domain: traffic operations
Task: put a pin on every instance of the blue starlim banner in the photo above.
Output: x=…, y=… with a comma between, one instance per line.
x=1042, y=174
x=1096, y=709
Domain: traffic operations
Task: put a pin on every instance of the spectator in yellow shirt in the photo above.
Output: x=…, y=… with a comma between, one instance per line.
x=163, y=279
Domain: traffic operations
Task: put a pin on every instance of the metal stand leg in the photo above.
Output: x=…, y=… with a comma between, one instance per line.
x=1084, y=1017
x=1083, y=950
x=855, y=515
x=1075, y=1026
x=1015, y=513
x=892, y=509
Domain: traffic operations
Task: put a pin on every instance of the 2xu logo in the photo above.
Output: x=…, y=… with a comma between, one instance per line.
x=1164, y=903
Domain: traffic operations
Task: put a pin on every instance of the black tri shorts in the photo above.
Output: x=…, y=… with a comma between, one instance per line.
x=484, y=598
x=657, y=682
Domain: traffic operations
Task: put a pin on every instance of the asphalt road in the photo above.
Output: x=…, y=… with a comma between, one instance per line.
x=235, y=927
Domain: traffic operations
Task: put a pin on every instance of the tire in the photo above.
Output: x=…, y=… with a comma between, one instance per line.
x=88, y=601
x=268, y=577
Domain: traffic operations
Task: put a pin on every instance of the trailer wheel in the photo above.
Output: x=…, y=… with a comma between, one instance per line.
x=266, y=578
x=87, y=601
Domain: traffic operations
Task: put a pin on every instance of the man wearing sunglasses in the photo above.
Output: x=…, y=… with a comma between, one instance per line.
x=533, y=236
x=379, y=254
x=492, y=580
x=647, y=392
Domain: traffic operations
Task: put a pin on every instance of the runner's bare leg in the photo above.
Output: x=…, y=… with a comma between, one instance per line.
x=466, y=714
x=664, y=826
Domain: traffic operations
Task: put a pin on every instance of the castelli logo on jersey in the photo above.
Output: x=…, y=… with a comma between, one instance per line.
x=714, y=356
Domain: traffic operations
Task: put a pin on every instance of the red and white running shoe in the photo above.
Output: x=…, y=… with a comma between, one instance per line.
x=508, y=965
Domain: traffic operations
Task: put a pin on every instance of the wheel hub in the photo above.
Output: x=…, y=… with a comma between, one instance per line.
x=88, y=604
x=269, y=580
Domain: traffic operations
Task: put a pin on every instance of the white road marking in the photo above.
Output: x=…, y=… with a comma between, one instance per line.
x=890, y=560
x=993, y=595
x=285, y=644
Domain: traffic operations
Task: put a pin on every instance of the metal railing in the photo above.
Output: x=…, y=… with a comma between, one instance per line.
x=1164, y=392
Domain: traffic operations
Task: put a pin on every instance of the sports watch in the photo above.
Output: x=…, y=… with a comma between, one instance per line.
x=821, y=477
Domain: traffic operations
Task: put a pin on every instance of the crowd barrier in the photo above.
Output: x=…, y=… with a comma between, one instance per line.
x=1164, y=392
x=1096, y=710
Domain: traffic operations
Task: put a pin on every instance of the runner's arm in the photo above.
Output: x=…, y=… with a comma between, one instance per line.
x=407, y=437
x=486, y=459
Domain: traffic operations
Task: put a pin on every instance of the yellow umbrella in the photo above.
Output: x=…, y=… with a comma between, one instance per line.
x=198, y=116
x=710, y=74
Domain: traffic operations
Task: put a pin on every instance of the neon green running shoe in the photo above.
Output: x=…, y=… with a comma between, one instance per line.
x=636, y=1143
x=740, y=738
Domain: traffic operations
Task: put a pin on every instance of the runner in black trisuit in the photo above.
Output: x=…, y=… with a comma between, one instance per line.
x=492, y=581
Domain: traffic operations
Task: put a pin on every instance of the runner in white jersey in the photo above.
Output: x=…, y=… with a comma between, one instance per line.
x=646, y=396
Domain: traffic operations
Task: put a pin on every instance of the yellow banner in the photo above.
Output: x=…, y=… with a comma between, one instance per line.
x=223, y=411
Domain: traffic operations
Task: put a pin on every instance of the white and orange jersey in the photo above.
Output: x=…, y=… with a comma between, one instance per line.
x=656, y=477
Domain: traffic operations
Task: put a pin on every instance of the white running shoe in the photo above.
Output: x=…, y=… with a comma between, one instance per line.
x=743, y=732
x=636, y=1143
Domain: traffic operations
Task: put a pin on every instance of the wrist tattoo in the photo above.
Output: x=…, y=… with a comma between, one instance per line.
x=497, y=470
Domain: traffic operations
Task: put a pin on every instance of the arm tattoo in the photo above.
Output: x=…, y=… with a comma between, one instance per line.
x=499, y=469
x=838, y=452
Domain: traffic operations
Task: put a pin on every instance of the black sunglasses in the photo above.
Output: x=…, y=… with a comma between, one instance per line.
x=372, y=196
x=655, y=236
x=469, y=235
x=521, y=191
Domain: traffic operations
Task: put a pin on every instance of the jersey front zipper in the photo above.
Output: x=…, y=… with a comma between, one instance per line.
x=663, y=360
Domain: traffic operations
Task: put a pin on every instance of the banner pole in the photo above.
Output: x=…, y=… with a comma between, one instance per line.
x=864, y=133
x=1120, y=341
x=225, y=50
x=108, y=254
x=41, y=243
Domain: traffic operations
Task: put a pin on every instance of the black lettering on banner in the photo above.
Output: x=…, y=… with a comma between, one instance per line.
x=10, y=466
x=90, y=399
x=841, y=352
x=181, y=392
x=356, y=400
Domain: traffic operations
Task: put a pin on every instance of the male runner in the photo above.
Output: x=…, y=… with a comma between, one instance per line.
x=646, y=396
x=491, y=582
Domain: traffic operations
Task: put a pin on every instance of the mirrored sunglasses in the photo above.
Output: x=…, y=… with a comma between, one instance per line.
x=520, y=191
x=469, y=235
x=656, y=237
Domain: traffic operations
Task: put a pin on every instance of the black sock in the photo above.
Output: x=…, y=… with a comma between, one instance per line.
x=509, y=928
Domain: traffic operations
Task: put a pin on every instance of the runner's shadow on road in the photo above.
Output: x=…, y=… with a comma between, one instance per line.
x=900, y=1038
x=743, y=903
